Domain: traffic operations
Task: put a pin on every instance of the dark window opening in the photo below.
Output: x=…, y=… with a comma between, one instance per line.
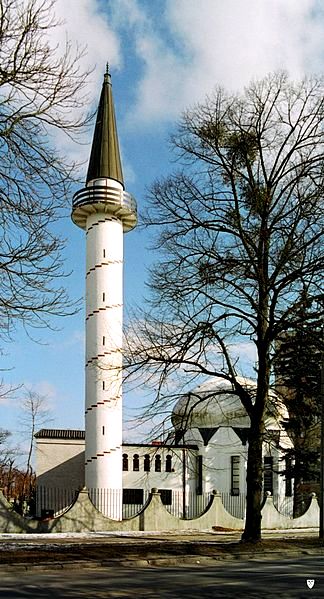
x=147, y=463
x=288, y=489
x=133, y=496
x=103, y=340
x=103, y=385
x=104, y=253
x=103, y=430
x=125, y=462
x=103, y=297
x=157, y=463
x=168, y=463
x=135, y=462
x=199, y=475
x=166, y=496
x=268, y=474
x=235, y=475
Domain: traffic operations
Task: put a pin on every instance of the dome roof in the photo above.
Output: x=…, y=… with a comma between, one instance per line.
x=214, y=404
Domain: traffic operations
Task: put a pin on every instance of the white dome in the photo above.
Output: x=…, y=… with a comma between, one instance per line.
x=214, y=404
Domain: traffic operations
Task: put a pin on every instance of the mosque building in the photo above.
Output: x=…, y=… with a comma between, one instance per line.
x=208, y=447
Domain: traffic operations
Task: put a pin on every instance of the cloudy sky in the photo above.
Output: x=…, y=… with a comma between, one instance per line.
x=164, y=56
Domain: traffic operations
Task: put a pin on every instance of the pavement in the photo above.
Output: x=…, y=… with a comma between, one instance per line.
x=149, y=549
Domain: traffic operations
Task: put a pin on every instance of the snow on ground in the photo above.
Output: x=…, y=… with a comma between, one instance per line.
x=96, y=535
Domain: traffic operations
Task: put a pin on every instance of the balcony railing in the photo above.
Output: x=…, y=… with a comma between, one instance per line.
x=102, y=194
x=107, y=199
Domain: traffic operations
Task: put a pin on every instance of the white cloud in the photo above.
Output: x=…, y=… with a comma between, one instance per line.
x=44, y=388
x=215, y=42
x=85, y=27
x=245, y=353
x=75, y=338
x=186, y=47
x=7, y=393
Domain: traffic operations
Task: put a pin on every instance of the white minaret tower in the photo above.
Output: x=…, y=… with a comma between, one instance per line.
x=105, y=211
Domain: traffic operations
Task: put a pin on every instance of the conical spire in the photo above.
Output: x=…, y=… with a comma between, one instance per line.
x=105, y=156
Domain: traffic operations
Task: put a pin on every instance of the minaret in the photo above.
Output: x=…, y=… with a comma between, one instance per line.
x=105, y=211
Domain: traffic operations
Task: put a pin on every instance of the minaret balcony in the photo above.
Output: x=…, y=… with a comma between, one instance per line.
x=107, y=200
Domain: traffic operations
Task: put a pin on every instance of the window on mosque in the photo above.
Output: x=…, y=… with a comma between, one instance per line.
x=135, y=462
x=268, y=474
x=199, y=488
x=288, y=490
x=133, y=496
x=168, y=463
x=235, y=475
x=147, y=463
x=125, y=462
x=157, y=463
x=166, y=496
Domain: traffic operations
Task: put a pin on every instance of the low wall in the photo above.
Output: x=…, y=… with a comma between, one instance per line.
x=272, y=519
x=12, y=522
x=82, y=516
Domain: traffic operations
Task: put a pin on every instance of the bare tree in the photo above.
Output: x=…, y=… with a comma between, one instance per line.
x=34, y=414
x=240, y=230
x=42, y=97
x=8, y=456
x=4, y=435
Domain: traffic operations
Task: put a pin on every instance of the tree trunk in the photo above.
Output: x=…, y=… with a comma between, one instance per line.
x=252, y=530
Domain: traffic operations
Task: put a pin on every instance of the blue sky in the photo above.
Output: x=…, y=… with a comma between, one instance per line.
x=164, y=56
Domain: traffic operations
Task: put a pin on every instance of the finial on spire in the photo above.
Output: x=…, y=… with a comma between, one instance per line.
x=105, y=156
x=107, y=74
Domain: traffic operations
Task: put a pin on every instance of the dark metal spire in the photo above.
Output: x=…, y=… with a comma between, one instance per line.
x=105, y=157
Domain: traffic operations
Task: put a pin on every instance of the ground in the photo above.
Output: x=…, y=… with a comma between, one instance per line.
x=145, y=549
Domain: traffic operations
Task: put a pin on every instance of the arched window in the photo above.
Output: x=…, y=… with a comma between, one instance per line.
x=147, y=464
x=125, y=462
x=168, y=463
x=157, y=463
x=136, y=462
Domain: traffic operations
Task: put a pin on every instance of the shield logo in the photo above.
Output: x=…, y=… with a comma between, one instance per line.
x=310, y=583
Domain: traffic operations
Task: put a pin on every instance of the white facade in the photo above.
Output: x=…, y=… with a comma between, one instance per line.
x=224, y=462
x=213, y=417
x=60, y=460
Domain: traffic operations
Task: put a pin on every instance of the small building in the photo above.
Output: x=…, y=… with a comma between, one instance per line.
x=208, y=451
x=213, y=417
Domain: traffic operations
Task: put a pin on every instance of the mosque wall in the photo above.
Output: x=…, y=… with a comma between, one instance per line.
x=60, y=463
x=208, y=459
x=82, y=517
x=153, y=466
